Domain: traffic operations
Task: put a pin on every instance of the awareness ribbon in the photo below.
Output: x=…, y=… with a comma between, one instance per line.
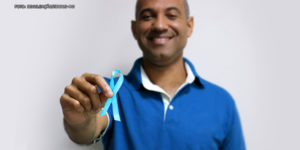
x=113, y=100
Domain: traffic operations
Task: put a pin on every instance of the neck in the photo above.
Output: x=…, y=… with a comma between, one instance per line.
x=169, y=77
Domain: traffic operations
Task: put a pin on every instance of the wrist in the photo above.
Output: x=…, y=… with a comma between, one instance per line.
x=82, y=133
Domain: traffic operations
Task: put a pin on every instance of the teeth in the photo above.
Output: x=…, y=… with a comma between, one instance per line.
x=160, y=39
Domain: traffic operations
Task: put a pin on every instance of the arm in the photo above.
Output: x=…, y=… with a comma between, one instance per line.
x=81, y=104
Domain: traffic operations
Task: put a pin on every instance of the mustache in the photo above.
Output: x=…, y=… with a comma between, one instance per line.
x=160, y=33
x=157, y=32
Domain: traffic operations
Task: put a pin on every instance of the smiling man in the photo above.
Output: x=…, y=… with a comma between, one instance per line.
x=163, y=102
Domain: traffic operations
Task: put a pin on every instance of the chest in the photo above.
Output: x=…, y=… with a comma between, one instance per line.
x=191, y=118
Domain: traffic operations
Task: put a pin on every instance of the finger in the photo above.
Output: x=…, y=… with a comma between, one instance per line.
x=95, y=97
x=68, y=103
x=75, y=93
x=100, y=82
x=103, y=99
x=86, y=88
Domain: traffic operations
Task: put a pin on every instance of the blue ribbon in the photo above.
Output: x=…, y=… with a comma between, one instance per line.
x=113, y=100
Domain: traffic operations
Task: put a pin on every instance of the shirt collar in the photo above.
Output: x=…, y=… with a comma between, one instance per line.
x=135, y=75
x=146, y=81
x=153, y=87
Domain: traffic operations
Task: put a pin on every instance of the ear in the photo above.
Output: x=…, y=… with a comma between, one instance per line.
x=190, y=24
x=133, y=25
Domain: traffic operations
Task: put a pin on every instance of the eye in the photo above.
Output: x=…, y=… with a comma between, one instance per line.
x=172, y=16
x=146, y=17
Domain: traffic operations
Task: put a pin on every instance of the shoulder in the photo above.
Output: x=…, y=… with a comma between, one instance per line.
x=223, y=102
x=220, y=94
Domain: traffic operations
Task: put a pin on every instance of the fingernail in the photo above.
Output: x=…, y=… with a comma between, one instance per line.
x=108, y=91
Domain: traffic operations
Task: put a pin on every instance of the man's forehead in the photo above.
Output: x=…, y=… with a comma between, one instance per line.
x=142, y=4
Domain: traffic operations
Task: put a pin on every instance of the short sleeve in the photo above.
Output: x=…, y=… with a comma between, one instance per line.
x=100, y=137
x=234, y=139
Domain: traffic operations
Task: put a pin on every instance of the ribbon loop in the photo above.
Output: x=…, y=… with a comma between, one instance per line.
x=113, y=100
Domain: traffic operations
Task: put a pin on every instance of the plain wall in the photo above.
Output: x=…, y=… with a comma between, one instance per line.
x=249, y=47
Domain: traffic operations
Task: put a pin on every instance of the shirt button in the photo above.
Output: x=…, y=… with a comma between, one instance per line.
x=171, y=107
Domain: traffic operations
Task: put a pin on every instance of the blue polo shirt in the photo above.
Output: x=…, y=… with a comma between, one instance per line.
x=204, y=117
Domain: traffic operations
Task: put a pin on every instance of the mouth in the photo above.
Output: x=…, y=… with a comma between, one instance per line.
x=160, y=40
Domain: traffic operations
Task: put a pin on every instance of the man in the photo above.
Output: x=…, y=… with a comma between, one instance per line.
x=163, y=102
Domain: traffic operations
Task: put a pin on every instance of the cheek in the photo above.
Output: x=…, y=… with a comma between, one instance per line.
x=143, y=28
x=179, y=29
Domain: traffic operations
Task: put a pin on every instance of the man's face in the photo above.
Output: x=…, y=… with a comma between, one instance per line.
x=161, y=29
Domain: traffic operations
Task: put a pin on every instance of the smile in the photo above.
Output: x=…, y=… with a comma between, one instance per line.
x=160, y=40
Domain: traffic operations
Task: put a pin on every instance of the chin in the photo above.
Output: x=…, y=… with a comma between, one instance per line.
x=161, y=59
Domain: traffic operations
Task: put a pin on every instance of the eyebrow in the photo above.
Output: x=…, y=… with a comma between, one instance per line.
x=168, y=9
x=174, y=8
x=145, y=10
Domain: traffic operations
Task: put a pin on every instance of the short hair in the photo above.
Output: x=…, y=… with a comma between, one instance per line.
x=186, y=7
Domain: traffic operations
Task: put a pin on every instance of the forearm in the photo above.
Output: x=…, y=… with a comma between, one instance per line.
x=83, y=133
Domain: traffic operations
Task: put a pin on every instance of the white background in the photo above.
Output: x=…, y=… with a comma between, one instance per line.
x=250, y=47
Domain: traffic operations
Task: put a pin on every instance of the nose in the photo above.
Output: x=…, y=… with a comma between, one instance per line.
x=160, y=24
